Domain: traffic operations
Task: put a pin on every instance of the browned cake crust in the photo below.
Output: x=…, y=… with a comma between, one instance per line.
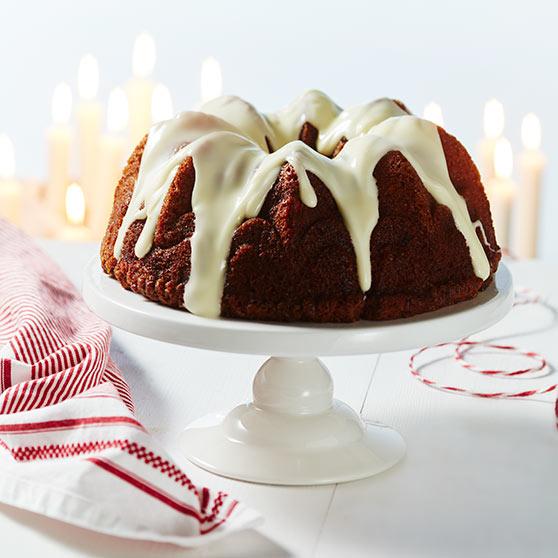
x=296, y=263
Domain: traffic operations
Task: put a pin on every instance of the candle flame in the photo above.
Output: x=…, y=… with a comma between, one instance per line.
x=75, y=205
x=7, y=158
x=61, y=104
x=88, y=77
x=211, y=80
x=503, y=158
x=531, y=131
x=117, y=110
x=161, y=103
x=433, y=112
x=493, y=119
x=144, y=55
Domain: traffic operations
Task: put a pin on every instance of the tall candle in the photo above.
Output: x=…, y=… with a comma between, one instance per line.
x=140, y=87
x=531, y=166
x=161, y=105
x=75, y=230
x=433, y=112
x=10, y=188
x=501, y=191
x=113, y=147
x=211, y=80
x=493, y=122
x=59, y=138
x=89, y=119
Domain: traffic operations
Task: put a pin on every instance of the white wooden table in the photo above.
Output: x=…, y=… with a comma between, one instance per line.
x=480, y=477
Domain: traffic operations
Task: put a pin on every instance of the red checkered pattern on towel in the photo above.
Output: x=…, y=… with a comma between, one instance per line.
x=67, y=424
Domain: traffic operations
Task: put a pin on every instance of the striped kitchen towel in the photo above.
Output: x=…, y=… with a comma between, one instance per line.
x=71, y=447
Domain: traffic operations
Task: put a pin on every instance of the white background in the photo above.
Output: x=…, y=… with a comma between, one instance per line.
x=456, y=53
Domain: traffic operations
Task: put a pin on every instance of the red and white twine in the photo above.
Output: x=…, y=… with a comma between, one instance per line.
x=523, y=296
x=464, y=346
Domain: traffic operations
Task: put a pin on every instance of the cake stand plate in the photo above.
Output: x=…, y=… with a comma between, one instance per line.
x=293, y=432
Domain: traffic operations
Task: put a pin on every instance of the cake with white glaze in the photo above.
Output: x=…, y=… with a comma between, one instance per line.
x=311, y=213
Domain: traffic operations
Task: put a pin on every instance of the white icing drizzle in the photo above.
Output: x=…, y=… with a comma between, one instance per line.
x=234, y=174
x=222, y=199
x=283, y=126
x=312, y=106
x=244, y=116
x=356, y=121
x=480, y=228
x=163, y=153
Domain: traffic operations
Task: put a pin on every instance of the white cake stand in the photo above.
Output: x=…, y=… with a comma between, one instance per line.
x=293, y=432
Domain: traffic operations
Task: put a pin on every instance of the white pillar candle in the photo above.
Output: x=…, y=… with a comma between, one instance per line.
x=501, y=191
x=433, y=112
x=10, y=188
x=140, y=87
x=493, y=124
x=531, y=166
x=161, y=105
x=59, y=138
x=211, y=80
x=89, y=120
x=113, y=147
x=75, y=229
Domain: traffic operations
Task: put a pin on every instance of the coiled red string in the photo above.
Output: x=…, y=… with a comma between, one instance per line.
x=523, y=296
x=463, y=346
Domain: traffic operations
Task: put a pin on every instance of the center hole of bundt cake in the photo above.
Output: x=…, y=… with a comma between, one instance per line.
x=309, y=135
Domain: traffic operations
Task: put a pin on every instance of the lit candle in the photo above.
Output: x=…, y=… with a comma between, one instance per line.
x=161, y=105
x=75, y=230
x=494, y=121
x=59, y=139
x=10, y=188
x=89, y=120
x=501, y=191
x=531, y=165
x=140, y=87
x=113, y=146
x=433, y=112
x=211, y=81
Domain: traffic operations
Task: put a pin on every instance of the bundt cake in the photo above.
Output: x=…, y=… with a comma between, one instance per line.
x=311, y=213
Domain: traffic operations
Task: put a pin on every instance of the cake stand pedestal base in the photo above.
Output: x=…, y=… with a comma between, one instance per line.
x=292, y=433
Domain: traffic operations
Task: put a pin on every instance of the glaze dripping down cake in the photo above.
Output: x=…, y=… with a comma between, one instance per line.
x=311, y=213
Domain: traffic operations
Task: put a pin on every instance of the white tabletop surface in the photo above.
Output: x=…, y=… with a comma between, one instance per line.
x=479, y=477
